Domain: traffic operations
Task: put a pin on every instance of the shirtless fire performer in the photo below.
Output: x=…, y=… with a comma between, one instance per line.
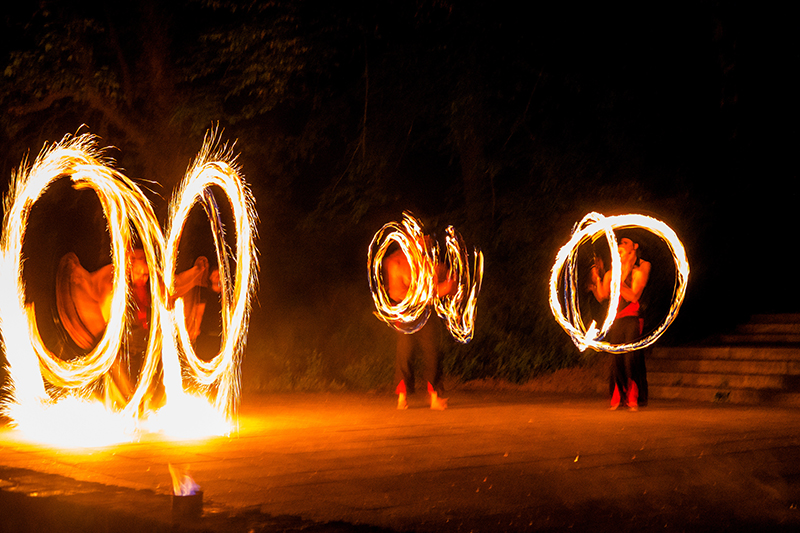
x=398, y=279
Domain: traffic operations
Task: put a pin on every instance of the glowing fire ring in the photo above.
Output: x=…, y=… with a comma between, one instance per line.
x=409, y=315
x=459, y=309
x=31, y=365
x=215, y=169
x=121, y=200
x=564, y=270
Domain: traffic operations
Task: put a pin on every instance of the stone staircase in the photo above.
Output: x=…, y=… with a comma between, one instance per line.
x=759, y=362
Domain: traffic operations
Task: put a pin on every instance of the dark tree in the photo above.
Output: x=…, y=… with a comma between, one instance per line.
x=508, y=121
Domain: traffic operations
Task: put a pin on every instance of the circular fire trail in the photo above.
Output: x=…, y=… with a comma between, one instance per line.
x=215, y=167
x=565, y=273
x=46, y=392
x=422, y=254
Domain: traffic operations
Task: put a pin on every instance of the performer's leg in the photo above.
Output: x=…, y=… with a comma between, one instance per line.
x=640, y=375
x=404, y=369
x=616, y=370
x=117, y=388
x=629, y=331
x=617, y=380
x=429, y=342
x=624, y=330
x=631, y=389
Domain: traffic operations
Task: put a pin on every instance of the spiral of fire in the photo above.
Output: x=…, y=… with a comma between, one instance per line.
x=564, y=275
x=411, y=313
x=457, y=309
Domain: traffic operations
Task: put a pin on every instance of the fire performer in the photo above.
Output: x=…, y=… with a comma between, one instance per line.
x=140, y=286
x=201, y=290
x=627, y=375
x=83, y=301
x=397, y=273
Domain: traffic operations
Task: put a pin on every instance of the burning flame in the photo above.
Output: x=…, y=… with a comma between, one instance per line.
x=182, y=482
x=565, y=271
x=45, y=392
x=409, y=315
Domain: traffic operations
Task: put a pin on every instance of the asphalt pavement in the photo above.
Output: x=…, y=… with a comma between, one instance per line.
x=494, y=461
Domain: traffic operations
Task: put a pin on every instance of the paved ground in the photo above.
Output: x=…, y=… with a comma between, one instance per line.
x=495, y=461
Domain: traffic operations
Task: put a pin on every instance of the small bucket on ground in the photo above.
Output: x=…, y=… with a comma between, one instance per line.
x=187, y=508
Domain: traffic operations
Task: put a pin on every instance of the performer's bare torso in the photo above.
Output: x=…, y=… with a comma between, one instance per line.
x=398, y=275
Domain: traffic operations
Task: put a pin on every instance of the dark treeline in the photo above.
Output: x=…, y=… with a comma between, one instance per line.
x=508, y=120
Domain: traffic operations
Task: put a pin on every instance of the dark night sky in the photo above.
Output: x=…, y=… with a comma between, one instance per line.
x=706, y=90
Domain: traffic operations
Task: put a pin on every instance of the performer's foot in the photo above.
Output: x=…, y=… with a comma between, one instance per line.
x=633, y=396
x=402, y=403
x=616, y=399
x=438, y=404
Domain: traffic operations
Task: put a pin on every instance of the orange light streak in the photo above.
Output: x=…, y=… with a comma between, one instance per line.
x=47, y=394
x=409, y=315
x=214, y=166
x=122, y=201
x=459, y=309
x=564, y=272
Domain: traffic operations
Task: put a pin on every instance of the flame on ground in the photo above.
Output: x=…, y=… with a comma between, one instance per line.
x=71, y=422
x=182, y=482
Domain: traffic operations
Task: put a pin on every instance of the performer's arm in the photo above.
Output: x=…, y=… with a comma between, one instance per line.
x=444, y=286
x=191, y=278
x=638, y=283
x=601, y=288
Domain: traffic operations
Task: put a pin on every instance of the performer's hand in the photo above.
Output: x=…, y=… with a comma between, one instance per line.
x=595, y=275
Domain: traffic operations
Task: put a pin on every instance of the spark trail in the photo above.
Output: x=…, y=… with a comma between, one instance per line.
x=564, y=274
x=458, y=310
x=47, y=394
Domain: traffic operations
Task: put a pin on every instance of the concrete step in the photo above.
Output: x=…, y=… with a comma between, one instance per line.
x=726, y=395
x=783, y=318
x=758, y=362
x=719, y=381
x=766, y=329
x=760, y=338
x=724, y=366
x=734, y=353
x=777, y=328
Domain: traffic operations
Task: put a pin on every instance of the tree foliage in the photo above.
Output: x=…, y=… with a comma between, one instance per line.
x=506, y=120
